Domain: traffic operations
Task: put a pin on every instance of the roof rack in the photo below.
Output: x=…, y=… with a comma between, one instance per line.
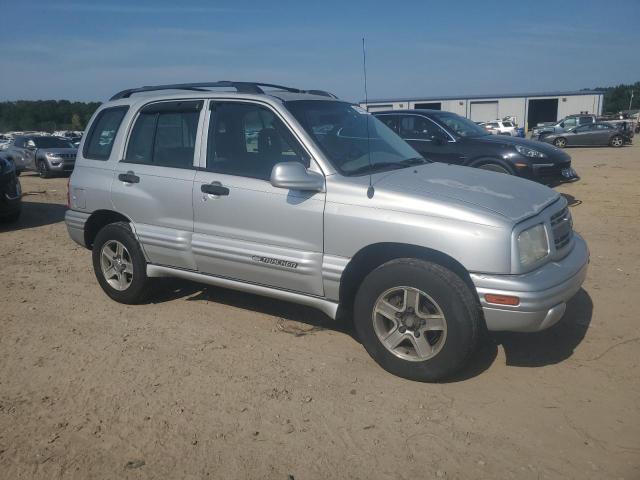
x=241, y=87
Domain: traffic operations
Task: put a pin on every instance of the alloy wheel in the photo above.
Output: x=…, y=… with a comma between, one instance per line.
x=116, y=265
x=409, y=323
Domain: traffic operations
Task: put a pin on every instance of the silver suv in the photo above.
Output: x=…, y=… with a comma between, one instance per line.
x=45, y=154
x=300, y=196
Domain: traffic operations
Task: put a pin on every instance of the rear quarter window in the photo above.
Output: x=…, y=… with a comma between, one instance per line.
x=102, y=133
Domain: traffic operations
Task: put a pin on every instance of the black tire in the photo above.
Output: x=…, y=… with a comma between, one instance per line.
x=455, y=299
x=495, y=167
x=43, y=169
x=616, y=141
x=18, y=172
x=560, y=142
x=140, y=286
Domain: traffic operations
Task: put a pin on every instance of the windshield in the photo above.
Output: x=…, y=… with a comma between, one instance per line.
x=51, y=142
x=340, y=130
x=460, y=125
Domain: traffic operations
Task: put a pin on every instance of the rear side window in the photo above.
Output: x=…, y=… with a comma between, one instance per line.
x=102, y=133
x=165, y=135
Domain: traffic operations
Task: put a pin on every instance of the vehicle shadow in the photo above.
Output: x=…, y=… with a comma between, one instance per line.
x=521, y=349
x=173, y=288
x=534, y=349
x=36, y=214
x=553, y=345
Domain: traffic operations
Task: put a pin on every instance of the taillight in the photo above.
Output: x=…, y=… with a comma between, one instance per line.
x=69, y=192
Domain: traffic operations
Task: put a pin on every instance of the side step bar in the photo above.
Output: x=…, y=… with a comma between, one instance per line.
x=328, y=307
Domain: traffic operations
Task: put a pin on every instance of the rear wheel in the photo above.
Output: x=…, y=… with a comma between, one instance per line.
x=560, y=142
x=417, y=319
x=119, y=264
x=616, y=141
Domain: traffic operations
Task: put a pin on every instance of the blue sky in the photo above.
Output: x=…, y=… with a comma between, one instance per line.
x=88, y=50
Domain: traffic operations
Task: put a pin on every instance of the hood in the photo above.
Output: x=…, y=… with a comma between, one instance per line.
x=510, y=197
x=507, y=141
x=73, y=151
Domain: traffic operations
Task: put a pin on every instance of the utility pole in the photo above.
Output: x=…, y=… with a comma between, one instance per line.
x=631, y=99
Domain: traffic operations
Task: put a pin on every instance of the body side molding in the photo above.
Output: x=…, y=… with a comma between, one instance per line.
x=328, y=307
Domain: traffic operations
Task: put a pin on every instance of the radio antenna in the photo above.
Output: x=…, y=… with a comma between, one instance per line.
x=370, y=190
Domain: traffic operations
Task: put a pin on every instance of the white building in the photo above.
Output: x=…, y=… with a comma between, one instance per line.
x=529, y=109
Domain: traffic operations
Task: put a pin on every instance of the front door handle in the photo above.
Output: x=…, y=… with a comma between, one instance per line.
x=214, y=189
x=129, y=177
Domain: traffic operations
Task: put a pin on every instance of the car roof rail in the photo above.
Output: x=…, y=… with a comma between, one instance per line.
x=241, y=87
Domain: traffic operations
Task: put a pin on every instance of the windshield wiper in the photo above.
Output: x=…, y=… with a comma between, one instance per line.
x=409, y=162
x=376, y=167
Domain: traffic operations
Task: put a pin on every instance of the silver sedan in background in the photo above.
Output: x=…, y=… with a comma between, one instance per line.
x=591, y=135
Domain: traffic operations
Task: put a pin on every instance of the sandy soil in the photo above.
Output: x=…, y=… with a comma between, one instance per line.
x=210, y=383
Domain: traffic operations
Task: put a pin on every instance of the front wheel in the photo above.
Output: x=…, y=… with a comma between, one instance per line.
x=119, y=264
x=43, y=169
x=494, y=167
x=616, y=141
x=417, y=319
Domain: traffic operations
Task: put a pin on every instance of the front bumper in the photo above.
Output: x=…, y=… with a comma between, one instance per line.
x=543, y=293
x=554, y=173
x=61, y=166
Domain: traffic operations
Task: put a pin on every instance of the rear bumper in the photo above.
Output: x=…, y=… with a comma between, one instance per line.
x=543, y=293
x=75, y=222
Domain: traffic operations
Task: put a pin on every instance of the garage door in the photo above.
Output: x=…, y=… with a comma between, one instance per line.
x=484, y=111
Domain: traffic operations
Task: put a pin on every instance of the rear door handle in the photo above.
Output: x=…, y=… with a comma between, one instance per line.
x=214, y=189
x=129, y=177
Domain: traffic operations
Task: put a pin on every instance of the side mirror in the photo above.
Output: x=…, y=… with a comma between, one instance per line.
x=30, y=145
x=295, y=176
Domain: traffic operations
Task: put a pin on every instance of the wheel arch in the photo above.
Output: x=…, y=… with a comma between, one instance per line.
x=476, y=162
x=372, y=256
x=97, y=221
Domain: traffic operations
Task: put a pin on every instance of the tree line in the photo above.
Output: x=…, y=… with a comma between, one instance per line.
x=45, y=115
x=617, y=98
x=51, y=115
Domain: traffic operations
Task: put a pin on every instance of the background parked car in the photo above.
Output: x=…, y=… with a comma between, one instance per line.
x=595, y=134
x=502, y=127
x=446, y=137
x=47, y=155
x=10, y=192
x=563, y=125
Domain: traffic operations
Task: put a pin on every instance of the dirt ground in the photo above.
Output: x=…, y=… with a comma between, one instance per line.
x=209, y=383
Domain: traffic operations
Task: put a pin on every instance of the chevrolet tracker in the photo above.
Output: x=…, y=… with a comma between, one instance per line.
x=300, y=196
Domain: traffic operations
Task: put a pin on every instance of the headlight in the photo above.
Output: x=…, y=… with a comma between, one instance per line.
x=53, y=155
x=529, y=152
x=533, y=245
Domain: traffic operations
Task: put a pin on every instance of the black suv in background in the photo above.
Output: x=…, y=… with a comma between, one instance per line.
x=10, y=192
x=446, y=137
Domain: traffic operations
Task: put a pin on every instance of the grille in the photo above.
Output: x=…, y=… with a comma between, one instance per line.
x=68, y=156
x=562, y=228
